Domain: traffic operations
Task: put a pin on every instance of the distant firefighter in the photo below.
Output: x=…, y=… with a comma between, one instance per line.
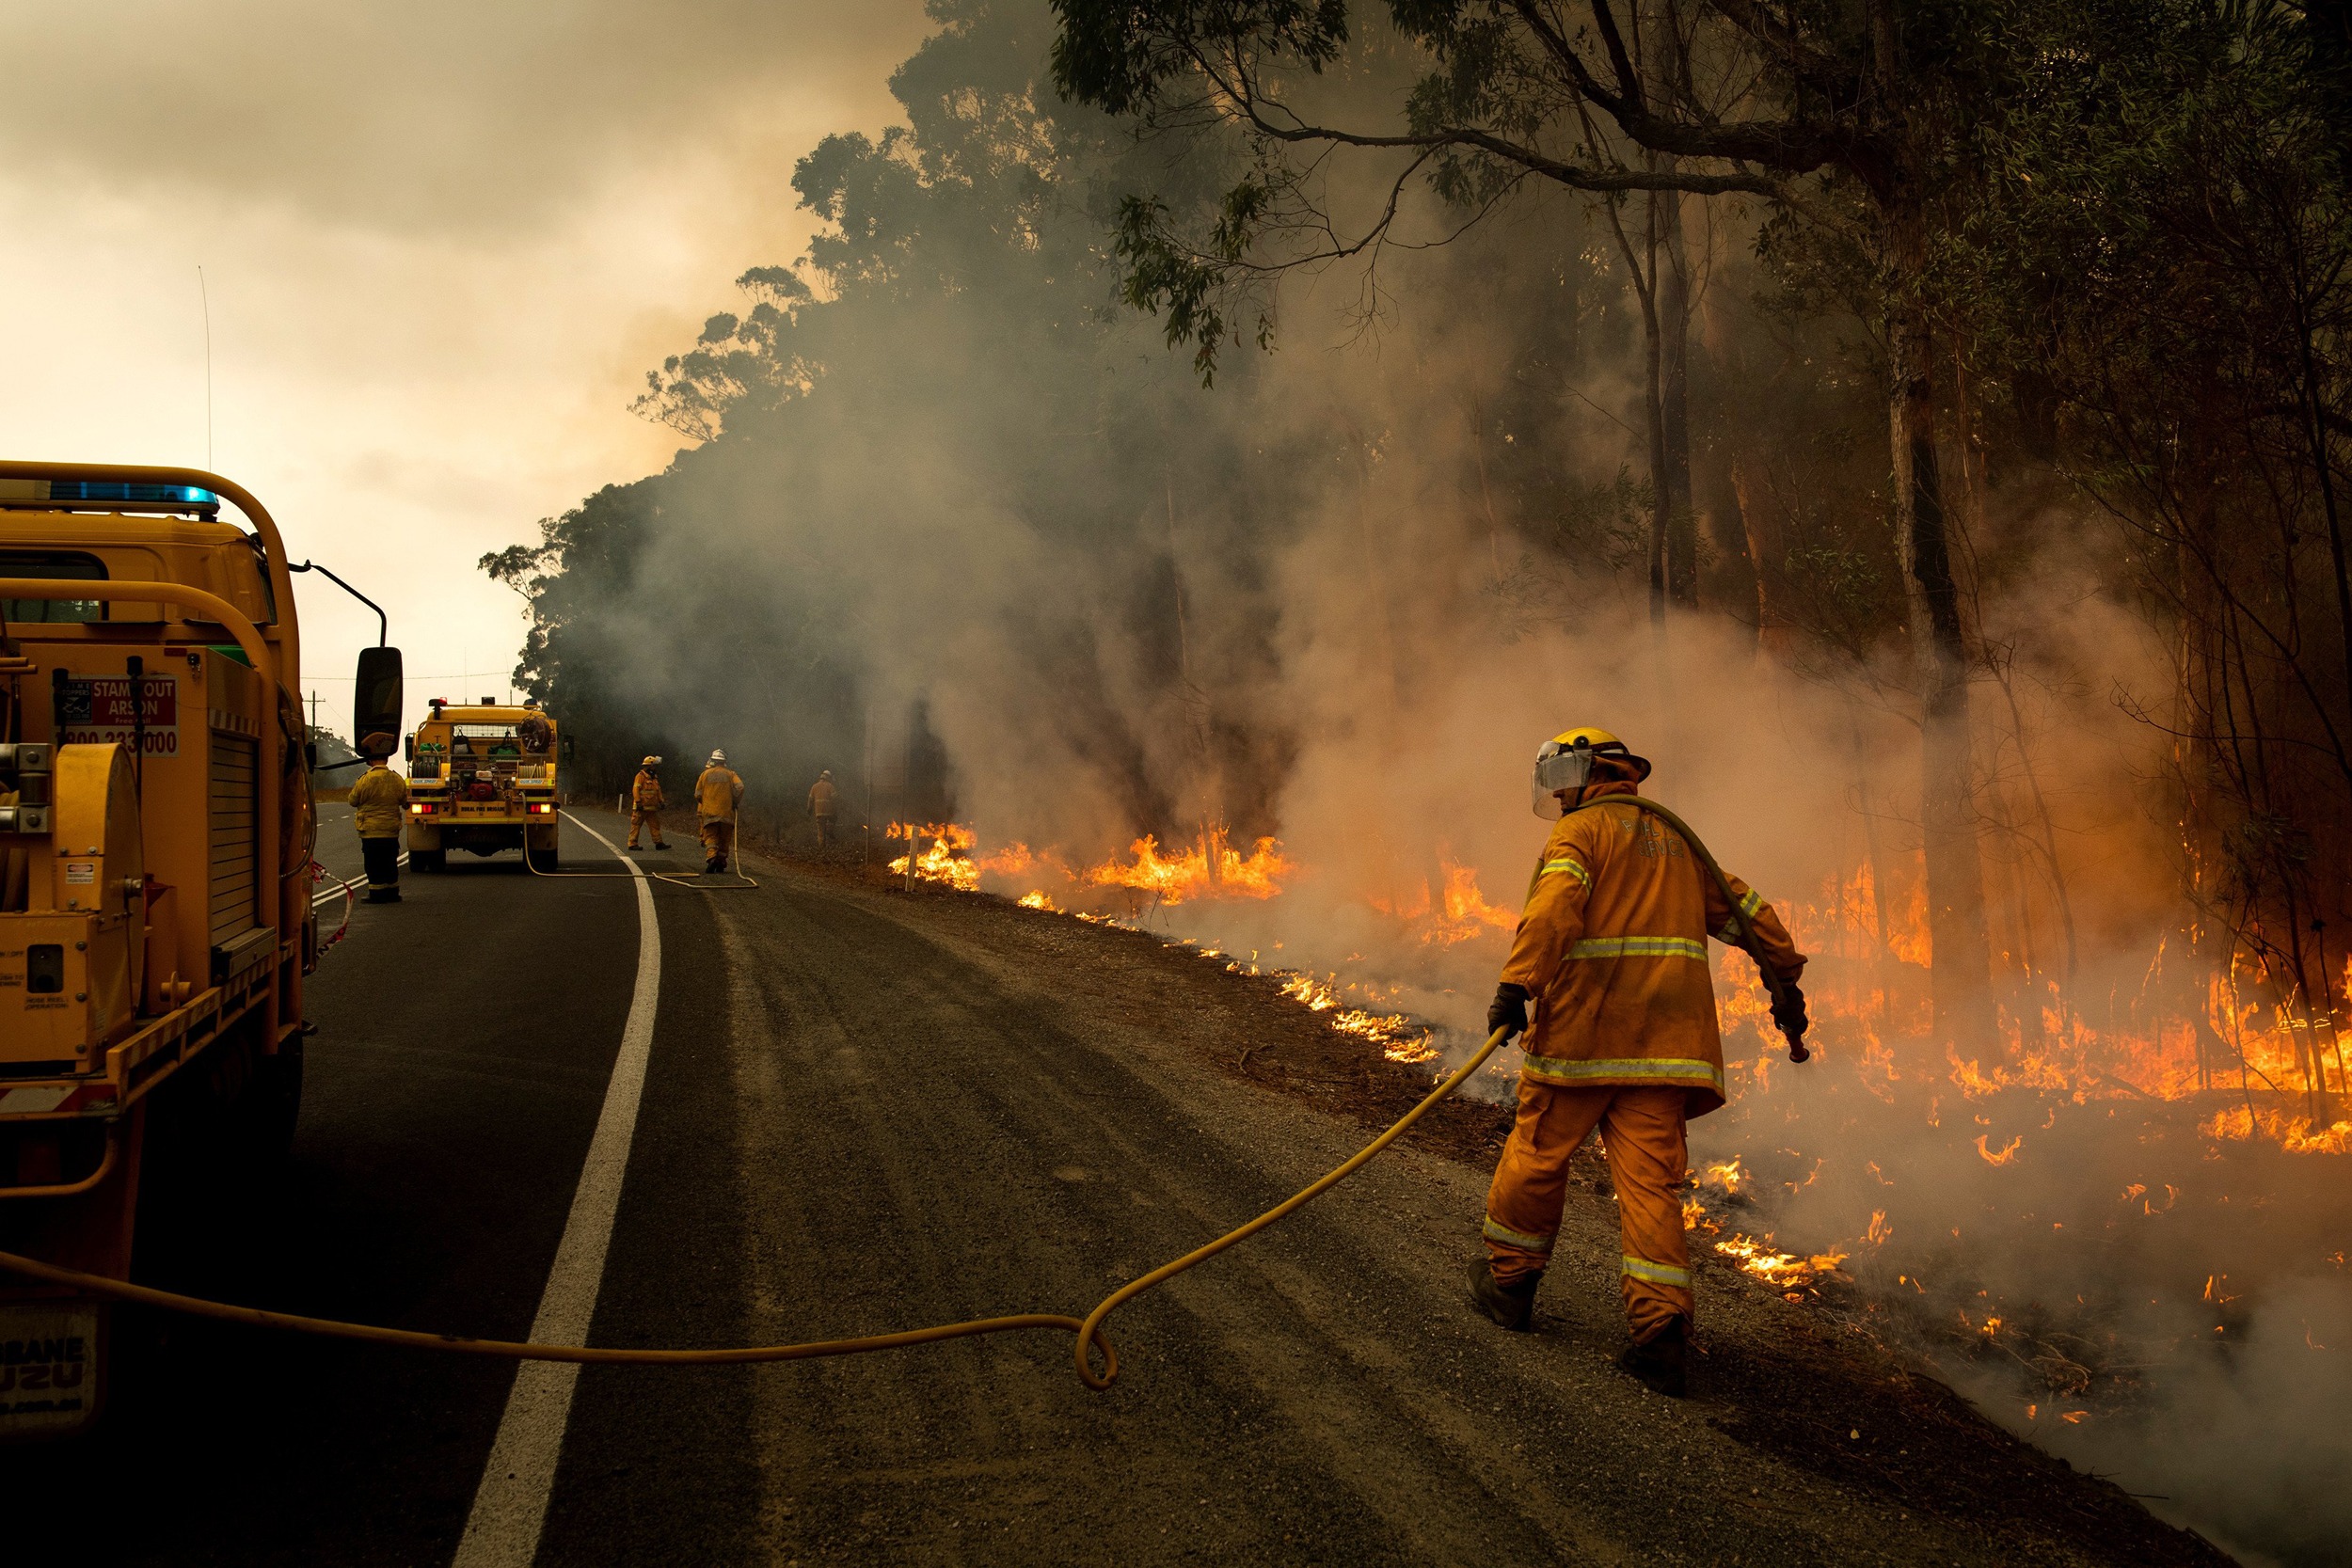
x=718, y=795
x=646, y=802
x=378, y=803
x=822, y=802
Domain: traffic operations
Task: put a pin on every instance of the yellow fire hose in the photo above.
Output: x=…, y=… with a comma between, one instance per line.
x=676, y=879
x=1089, y=1330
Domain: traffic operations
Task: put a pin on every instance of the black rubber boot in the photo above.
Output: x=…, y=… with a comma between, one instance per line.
x=1661, y=1363
x=1512, y=1306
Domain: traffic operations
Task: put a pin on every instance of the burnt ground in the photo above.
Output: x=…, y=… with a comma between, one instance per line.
x=1806, y=1440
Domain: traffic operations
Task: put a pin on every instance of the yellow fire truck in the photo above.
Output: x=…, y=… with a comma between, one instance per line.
x=156, y=889
x=481, y=778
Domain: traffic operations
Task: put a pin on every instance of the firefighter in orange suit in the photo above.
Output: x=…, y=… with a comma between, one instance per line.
x=646, y=802
x=1611, y=950
x=717, y=794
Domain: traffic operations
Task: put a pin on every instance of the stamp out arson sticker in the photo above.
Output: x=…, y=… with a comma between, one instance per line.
x=96, y=709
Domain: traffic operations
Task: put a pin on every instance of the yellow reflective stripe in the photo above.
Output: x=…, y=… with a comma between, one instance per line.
x=1554, y=868
x=1662, y=1069
x=1495, y=1232
x=1750, y=902
x=1657, y=1273
x=1639, y=947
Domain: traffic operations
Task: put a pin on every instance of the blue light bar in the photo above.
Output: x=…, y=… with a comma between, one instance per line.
x=87, y=490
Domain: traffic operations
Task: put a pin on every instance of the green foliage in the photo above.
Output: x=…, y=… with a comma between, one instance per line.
x=586, y=562
x=1120, y=55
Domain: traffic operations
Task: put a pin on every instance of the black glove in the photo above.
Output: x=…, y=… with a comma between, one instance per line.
x=1788, y=1011
x=1508, y=1010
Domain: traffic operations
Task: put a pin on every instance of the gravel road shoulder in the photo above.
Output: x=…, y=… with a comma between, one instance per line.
x=1803, y=1442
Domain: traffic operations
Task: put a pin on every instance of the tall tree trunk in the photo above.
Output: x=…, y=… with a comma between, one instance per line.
x=1961, y=956
x=1674, y=395
x=1764, y=551
x=1660, y=46
x=1661, y=501
x=1737, y=495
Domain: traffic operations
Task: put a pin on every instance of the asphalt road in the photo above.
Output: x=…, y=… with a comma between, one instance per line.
x=867, y=1112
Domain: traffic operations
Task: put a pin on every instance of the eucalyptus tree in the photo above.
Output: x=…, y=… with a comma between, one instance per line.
x=1832, y=112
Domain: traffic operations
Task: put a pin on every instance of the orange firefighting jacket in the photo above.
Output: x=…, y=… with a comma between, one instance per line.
x=820, y=796
x=647, y=793
x=716, y=793
x=1613, y=947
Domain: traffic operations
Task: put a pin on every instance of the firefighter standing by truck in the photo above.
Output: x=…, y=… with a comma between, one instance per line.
x=379, y=808
x=1612, y=952
x=645, y=801
x=718, y=795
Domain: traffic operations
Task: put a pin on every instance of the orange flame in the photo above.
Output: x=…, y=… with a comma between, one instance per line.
x=1210, y=867
x=2006, y=1155
x=1400, y=1038
x=1787, y=1270
x=945, y=861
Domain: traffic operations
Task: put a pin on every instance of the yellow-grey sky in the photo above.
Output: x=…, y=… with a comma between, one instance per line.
x=443, y=241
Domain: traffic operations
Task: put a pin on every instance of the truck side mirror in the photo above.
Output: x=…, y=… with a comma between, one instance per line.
x=564, y=746
x=376, y=702
x=409, y=747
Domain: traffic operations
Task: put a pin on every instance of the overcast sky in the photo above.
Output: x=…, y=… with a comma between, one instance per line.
x=442, y=242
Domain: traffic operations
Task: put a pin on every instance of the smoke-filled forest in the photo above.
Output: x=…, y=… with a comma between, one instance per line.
x=1208, y=447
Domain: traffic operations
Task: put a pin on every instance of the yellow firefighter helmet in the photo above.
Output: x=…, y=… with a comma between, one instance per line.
x=1565, y=763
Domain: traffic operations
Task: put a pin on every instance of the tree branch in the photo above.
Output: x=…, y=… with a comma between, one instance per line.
x=1629, y=80
x=1787, y=145
x=1532, y=159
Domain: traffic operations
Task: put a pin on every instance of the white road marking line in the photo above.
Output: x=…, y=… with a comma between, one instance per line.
x=511, y=1507
x=341, y=888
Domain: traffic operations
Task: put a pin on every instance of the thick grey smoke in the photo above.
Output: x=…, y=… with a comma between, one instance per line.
x=1339, y=600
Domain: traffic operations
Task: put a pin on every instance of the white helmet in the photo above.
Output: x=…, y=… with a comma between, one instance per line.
x=717, y=757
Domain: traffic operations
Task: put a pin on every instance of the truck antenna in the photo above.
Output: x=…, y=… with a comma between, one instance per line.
x=204, y=297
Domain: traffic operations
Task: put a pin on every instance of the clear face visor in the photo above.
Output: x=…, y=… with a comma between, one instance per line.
x=1569, y=769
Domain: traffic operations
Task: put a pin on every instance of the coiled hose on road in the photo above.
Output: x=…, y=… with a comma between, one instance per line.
x=1089, y=1330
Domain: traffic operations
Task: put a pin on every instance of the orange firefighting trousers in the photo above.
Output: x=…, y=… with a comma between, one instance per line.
x=718, y=836
x=639, y=818
x=1642, y=1129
